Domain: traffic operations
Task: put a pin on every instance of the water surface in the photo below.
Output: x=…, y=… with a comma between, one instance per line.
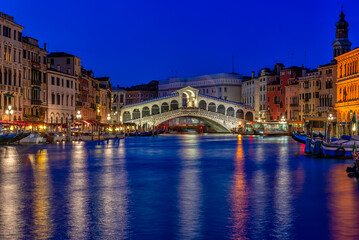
x=175, y=187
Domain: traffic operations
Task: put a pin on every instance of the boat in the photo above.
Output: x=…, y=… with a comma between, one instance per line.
x=141, y=134
x=6, y=139
x=299, y=138
x=341, y=148
x=32, y=138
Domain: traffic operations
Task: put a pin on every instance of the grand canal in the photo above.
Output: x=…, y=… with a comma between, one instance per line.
x=175, y=187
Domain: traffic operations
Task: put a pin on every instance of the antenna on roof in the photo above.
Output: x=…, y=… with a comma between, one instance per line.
x=232, y=63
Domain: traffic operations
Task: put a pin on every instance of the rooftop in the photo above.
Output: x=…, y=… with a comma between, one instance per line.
x=60, y=54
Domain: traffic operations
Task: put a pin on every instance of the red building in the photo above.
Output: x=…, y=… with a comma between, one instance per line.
x=287, y=76
x=273, y=101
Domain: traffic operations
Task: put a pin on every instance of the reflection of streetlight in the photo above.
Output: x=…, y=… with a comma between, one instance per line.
x=9, y=112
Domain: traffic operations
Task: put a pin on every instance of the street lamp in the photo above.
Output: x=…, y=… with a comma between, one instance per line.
x=78, y=116
x=330, y=119
x=9, y=112
x=108, y=121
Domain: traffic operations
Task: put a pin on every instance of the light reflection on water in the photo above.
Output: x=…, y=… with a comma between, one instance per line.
x=182, y=187
x=78, y=193
x=189, y=189
x=343, y=202
x=239, y=197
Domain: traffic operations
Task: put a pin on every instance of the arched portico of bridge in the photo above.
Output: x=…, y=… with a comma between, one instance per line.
x=220, y=123
x=214, y=109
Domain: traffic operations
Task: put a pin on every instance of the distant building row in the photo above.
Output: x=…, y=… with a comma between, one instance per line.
x=46, y=87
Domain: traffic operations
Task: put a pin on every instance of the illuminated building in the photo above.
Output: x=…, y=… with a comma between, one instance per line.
x=328, y=89
x=61, y=96
x=11, y=67
x=347, y=85
x=226, y=86
x=287, y=76
x=308, y=89
x=34, y=80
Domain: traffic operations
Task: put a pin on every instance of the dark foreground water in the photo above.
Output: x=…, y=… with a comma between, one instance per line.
x=175, y=187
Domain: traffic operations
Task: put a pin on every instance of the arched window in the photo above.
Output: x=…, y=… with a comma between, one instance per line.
x=212, y=107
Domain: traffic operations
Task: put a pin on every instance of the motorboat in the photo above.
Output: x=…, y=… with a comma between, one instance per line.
x=32, y=138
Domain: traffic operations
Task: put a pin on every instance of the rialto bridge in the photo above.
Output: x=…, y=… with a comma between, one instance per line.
x=222, y=115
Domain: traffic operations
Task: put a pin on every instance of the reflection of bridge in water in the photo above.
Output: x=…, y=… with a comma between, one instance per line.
x=220, y=114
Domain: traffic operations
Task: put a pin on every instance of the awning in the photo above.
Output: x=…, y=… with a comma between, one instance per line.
x=37, y=89
x=90, y=122
x=9, y=95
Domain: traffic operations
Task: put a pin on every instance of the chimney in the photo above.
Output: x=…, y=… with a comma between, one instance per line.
x=253, y=74
x=45, y=46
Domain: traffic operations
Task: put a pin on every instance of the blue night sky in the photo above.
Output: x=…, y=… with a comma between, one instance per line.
x=138, y=41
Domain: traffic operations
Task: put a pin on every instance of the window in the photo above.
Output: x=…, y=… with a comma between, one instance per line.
x=68, y=83
x=58, y=99
x=53, y=98
x=58, y=81
x=62, y=82
x=68, y=61
x=52, y=61
x=24, y=53
x=53, y=80
x=225, y=89
x=71, y=84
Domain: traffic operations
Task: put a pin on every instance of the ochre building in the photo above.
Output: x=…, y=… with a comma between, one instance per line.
x=347, y=85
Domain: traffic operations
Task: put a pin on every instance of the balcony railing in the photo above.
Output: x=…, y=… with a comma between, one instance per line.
x=36, y=82
x=36, y=102
x=323, y=109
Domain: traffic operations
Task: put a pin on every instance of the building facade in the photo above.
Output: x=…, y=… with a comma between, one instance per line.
x=34, y=80
x=222, y=85
x=141, y=92
x=328, y=89
x=309, y=86
x=347, y=85
x=103, y=100
x=118, y=101
x=273, y=101
x=292, y=101
x=10, y=68
x=61, y=97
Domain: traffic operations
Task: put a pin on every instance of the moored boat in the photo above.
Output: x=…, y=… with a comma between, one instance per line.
x=342, y=148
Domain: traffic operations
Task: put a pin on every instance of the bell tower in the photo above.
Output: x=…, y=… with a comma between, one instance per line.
x=341, y=44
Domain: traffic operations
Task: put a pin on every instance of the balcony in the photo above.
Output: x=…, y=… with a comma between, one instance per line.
x=324, y=109
x=36, y=102
x=36, y=82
